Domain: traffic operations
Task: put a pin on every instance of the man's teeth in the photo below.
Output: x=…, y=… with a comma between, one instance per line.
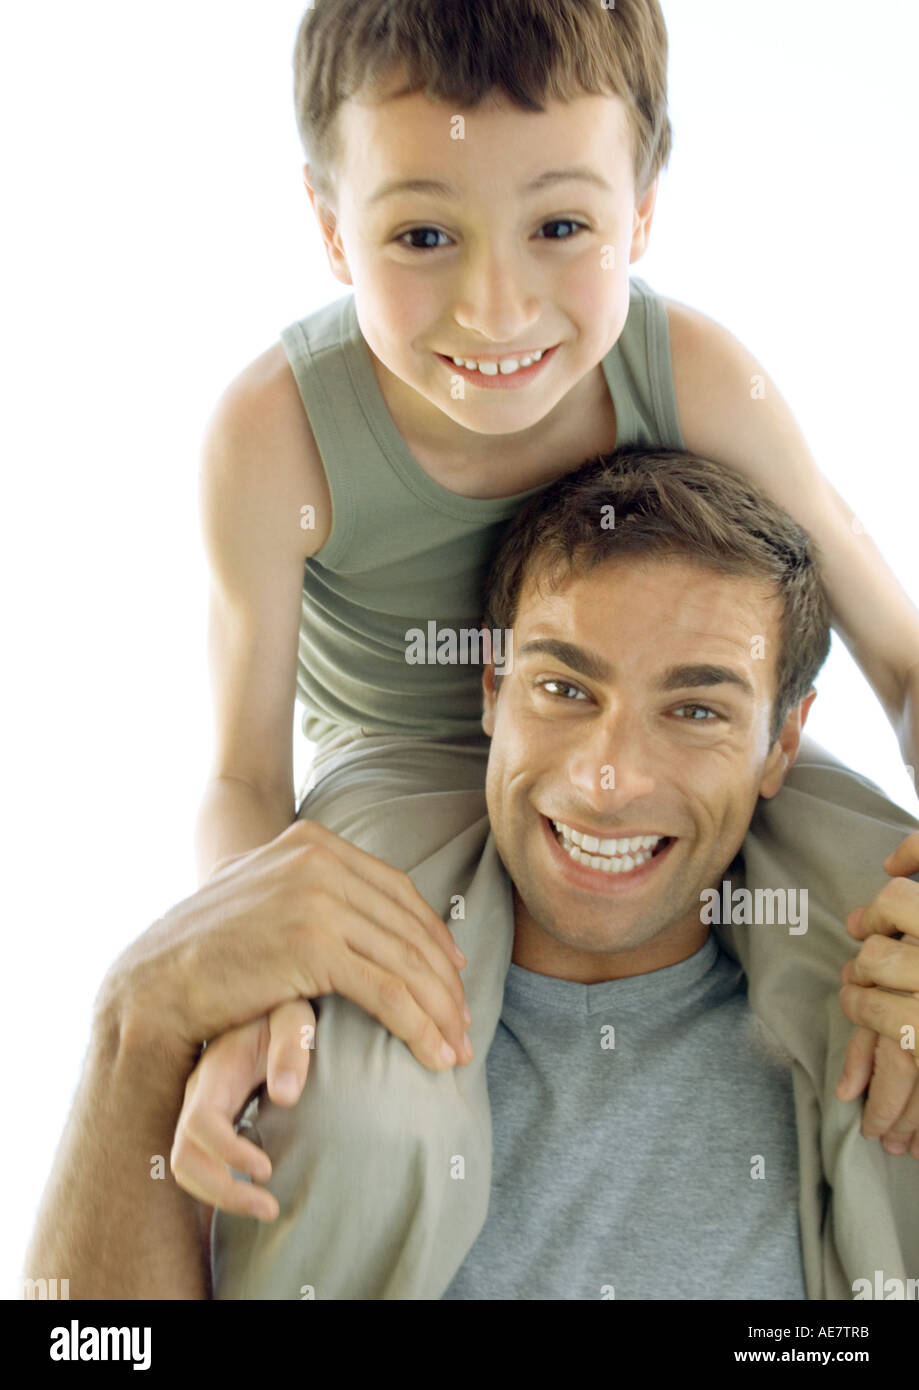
x=507, y=367
x=613, y=856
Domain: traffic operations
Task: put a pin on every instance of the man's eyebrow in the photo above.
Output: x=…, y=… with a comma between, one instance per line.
x=596, y=668
x=578, y=658
x=435, y=188
x=691, y=677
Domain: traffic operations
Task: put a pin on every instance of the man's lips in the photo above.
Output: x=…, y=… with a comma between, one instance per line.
x=602, y=880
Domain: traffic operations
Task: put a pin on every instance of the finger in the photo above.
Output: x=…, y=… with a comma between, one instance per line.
x=384, y=936
x=853, y=920
x=858, y=1065
x=384, y=912
x=292, y=1033
x=388, y=999
x=890, y=1091
x=896, y=1016
x=906, y=1127
x=409, y=959
x=894, y=909
x=231, y=1068
x=208, y=1129
x=210, y=1181
x=894, y=965
x=904, y=859
x=386, y=879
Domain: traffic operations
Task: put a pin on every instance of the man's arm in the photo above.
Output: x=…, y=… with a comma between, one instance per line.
x=112, y=1220
x=305, y=915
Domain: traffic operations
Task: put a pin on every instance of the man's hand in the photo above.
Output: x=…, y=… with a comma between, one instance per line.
x=305, y=915
x=881, y=993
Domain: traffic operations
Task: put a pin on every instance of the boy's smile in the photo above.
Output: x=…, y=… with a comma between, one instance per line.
x=510, y=241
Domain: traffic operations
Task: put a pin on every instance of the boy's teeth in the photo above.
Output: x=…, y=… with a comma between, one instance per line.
x=614, y=856
x=506, y=368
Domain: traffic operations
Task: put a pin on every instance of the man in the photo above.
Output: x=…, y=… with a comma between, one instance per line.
x=662, y=673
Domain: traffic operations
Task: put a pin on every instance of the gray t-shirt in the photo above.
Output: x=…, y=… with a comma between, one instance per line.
x=644, y=1143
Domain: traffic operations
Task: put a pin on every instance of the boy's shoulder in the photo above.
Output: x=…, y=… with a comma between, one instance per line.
x=260, y=427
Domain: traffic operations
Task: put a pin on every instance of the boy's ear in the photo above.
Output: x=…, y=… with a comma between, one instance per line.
x=328, y=227
x=641, y=224
x=490, y=696
x=785, y=749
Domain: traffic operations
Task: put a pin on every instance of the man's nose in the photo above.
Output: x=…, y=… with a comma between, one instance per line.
x=612, y=765
x=494, y=299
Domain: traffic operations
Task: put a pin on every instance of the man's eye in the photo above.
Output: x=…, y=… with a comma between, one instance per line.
x=700, y=714
x=554, y=685
x=425, y=233
x=573, y=228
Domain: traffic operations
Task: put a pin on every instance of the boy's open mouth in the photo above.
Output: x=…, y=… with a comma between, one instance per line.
x=499, y=371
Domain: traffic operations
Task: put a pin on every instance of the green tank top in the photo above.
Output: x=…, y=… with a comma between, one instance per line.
x=404, y=552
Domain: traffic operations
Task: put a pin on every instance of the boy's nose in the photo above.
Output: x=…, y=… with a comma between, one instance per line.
x=495, y=302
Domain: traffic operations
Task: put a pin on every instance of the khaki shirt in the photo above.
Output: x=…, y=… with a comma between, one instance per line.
x=365, y=1165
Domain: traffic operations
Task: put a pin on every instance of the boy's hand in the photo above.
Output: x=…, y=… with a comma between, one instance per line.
x=276, y=1049
x=881, y=993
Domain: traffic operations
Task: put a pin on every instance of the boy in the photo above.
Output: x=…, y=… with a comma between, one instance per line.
x=483, y=176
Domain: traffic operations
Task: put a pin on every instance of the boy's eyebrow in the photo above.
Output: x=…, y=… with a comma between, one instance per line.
x=437, y=189
x=593, y=666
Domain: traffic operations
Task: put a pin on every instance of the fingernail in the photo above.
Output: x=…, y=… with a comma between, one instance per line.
x=447, y=1054
x=467, y=1016
x=286, y=1084
x=459, y=955
x=467, y=1045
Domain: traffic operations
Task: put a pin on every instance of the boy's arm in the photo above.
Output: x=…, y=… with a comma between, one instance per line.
x=731, y=412
x=260, y=467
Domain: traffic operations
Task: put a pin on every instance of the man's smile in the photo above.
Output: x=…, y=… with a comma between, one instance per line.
x=622, y=864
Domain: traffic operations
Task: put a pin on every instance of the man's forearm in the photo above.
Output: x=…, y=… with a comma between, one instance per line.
x=237, y=816
x=112, y=1220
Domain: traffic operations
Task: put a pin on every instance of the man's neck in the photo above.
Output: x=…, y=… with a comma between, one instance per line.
x=538, y=950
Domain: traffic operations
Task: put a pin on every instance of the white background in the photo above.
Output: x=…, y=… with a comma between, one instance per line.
x=156, y=237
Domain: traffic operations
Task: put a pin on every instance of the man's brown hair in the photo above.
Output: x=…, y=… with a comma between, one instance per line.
x=642, y=502
x=532, y=51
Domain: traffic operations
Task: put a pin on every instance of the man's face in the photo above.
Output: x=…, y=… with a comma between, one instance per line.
x=637, y=708
x=504, y=257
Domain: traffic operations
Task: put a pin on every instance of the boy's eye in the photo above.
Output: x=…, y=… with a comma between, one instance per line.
x=707, y=715
x=425, y=240
x=573, y=228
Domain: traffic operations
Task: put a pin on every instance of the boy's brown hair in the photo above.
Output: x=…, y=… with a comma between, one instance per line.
x=658, y=503
x=531, y=50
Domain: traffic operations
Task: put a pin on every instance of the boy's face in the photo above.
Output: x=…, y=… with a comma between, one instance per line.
x=505, y=256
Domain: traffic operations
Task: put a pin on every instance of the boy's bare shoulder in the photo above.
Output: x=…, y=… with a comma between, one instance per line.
x=712, y=378
x=258, y=441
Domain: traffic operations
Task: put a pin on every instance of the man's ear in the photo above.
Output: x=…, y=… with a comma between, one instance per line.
x=641, y=225
x=785, y=749
x=328, y=227
x=490, y=696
